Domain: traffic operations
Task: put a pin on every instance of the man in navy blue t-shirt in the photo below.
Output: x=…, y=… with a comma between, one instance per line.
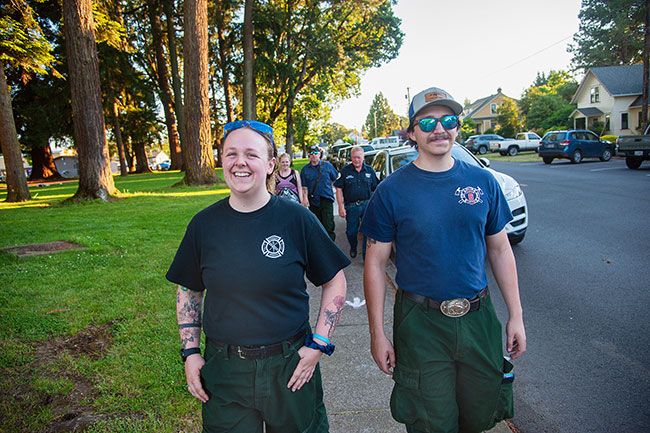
x=317, y=179
x=445, y=217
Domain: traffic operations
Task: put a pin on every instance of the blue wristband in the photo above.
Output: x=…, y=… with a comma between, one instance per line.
x=321, y=338
x=327, y=350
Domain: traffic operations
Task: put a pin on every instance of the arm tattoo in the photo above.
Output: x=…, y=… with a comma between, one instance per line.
x=332, y=317
x=189, y=304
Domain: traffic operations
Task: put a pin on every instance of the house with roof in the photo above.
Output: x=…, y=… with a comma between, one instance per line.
x=484, y=111
x=609, y=99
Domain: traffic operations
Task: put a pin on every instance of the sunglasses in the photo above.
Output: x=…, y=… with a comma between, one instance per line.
x=428, y=124
x=260, y=127
x=315, y=152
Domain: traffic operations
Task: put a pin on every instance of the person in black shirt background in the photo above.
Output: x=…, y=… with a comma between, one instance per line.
x=353, y=190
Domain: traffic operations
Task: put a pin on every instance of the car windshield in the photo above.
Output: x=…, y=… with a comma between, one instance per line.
x=461, y=154
x=555, y=137
x=402, y=159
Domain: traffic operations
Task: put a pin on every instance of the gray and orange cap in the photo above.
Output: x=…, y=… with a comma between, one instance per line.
x=433, y=96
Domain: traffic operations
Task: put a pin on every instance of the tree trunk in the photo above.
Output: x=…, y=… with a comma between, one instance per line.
x=223, y=61
x=162, y=74
x=95, y=179
x=117, y=130
x=130, y=156
x=646, y=68
x=289, y=134
x=142, y=164
x=199, y=160
x=250, y=110
x=43, y=167
x=16, y=181
x=176, y=77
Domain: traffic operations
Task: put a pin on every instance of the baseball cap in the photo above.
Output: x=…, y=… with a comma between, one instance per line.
x=433, y=96
x=314, y=148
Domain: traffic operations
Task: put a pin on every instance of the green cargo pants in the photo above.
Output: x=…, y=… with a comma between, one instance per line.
x=449, y=372
x=246, y=394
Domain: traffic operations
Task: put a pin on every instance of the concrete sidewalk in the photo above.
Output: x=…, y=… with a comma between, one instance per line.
x=356, y=392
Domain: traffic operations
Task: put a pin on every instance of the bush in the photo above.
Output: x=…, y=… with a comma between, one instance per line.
x=610, y=138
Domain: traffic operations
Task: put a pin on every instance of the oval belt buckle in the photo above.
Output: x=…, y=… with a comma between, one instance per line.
x=455, y=307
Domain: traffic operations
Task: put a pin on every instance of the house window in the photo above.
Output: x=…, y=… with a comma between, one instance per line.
x=595, y=94
x=493, y=124
x=624, y=121
x=493, y=108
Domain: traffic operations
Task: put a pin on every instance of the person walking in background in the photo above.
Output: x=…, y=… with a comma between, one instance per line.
x=318, y=193
x=353, y=190
x=445, y=217
x=287, y=180
x=249, y=253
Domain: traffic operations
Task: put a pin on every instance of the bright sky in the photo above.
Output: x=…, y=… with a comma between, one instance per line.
x=469, y=48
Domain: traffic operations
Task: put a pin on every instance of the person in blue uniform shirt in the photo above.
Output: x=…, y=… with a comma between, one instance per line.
x=317, y=178
x=445, y=218
x=353, y=190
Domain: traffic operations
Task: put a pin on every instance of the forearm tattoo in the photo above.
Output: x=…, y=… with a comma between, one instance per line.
x=189, y=304
x=333, y=316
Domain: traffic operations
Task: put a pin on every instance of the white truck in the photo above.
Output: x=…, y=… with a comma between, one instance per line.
x=523, y=141
x=384, y=142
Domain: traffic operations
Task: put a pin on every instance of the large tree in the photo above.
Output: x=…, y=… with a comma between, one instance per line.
x=319, y=48
x=95, y=179
x=24, y=49
x=610, y=33
x=250, y=105
x=508, y=119
x=198, y=156
x=381, y=120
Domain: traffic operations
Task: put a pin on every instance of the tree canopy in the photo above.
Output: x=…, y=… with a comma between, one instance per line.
x=381, y=120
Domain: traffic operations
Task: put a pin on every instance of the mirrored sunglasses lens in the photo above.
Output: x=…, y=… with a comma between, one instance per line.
x=449, y=122
x=428, y=124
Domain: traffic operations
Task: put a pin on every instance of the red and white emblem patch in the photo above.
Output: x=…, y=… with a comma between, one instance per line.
x=469, y=195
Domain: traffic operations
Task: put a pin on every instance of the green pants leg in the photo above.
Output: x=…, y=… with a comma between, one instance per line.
x=325, y=214
x=449, y=371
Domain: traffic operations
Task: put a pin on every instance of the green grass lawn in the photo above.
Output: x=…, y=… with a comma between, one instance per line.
x=94, y=330
x=522, y=157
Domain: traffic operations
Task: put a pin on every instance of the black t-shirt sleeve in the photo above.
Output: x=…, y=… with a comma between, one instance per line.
x=186, y=269
x=324, y=258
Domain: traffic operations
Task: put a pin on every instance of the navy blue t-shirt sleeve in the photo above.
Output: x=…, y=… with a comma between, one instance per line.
x=334, y=174
x=499, y=214
x=303, y=178
x=186, y=269
x=324, y=258
x=378, y=221
x=340, y=182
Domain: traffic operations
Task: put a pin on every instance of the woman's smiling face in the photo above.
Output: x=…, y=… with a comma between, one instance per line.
x=247, y=161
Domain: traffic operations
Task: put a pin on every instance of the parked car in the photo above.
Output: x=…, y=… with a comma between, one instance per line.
x=386, y=161
x=345, y=155
x=481, y=143
x=635, y=149
x=164, y=165
x=383, y=142
x=512, y=146
x=333, y=150
x=575, y=145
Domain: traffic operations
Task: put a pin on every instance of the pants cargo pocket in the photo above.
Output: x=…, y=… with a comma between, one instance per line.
x=405, y=400
x=505, y=406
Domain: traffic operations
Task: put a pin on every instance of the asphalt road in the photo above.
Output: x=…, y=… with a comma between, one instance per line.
x=585, y=287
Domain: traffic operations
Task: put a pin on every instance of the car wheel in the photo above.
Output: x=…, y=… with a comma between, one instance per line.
x=576, y=158
x=512, y=150
x=482, y=150
x=633, y=163
x=547, y=159
x=607, y=155
x=503, y=153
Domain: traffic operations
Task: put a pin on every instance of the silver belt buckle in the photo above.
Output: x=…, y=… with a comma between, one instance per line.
x=455, y=307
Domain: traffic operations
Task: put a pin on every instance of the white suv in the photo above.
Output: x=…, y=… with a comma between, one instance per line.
x=386, y=161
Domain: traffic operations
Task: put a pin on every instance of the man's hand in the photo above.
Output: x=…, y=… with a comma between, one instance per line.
x=193, y=366
x=305, y=368
x=383, y=353
x=515, y=337
x=342, y=212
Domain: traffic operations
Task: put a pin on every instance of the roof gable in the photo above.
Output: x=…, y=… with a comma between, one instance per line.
x=620, y=80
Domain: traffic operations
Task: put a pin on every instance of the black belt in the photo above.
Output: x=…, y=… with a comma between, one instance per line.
x=452, y=307
x=258, y=351
x=356, y=203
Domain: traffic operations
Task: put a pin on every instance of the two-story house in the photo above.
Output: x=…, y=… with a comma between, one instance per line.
x=610, y=96
x=484, y=111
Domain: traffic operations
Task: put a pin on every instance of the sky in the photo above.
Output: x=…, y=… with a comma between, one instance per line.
x=469, y=48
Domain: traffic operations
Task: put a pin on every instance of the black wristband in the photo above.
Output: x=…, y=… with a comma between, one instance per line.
x=189, y=325
x=327, y=350
x=190, y=351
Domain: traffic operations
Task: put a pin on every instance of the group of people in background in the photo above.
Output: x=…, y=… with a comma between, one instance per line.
x=240, y=272
x=314, y=187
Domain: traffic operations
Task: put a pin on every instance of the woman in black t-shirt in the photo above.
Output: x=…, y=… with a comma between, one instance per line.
x=260, y=366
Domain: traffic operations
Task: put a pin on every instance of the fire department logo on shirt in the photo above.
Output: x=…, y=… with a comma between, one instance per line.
x=273, y=247
x=469, y=195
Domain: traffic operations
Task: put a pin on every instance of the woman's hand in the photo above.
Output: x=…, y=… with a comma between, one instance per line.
x=193, y=365
x=305, y=368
